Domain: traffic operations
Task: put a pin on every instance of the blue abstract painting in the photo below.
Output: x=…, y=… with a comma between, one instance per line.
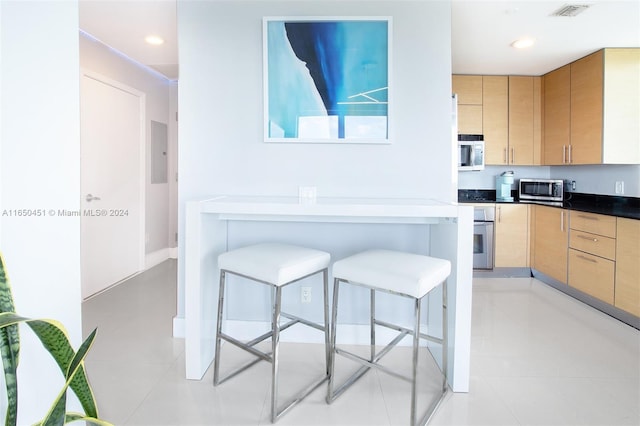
x=326, y=80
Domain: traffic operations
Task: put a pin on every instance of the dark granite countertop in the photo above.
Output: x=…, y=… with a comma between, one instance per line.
x=628, y=207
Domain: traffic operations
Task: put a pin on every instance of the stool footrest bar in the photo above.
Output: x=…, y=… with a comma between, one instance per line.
x=408, y=331
x=370, y=364
x=244, y=346
x=302, y=321
x=335, y=394
x=239, y=370
x=303, y=394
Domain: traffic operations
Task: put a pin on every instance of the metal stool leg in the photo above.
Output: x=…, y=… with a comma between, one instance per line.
x=373, y=325
x=332, y=353
x=414, y=373
x=216, y=363
x=275, y=342
x=327, y=337
x=445, y=338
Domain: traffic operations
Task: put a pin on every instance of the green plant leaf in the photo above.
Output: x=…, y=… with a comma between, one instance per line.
x=54, y=338
x=56, y=415
x=9, y=348
x=74, y=417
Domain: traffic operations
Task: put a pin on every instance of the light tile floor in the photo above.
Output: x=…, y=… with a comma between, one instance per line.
x=538, y=357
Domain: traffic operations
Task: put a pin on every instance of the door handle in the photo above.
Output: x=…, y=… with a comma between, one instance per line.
x=91, y=198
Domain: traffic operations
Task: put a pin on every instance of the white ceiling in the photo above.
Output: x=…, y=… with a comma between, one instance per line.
x=482, y=32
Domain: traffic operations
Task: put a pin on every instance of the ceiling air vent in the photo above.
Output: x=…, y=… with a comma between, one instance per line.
x=571, y=10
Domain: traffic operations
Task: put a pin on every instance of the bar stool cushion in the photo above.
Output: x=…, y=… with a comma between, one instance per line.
x=274, y=263
x=406, y=273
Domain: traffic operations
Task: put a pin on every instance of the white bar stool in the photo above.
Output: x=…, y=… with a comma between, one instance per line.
x=404, y=274
x=276, y=265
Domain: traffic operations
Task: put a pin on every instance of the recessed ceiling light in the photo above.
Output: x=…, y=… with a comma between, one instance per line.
x=155, y=40
x=523, y=43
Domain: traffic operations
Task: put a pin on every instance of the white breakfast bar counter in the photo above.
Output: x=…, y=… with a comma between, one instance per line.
x=449, y=230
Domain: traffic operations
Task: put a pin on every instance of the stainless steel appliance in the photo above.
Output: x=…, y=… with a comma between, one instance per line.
x=483, y=218
x=470, y=152
x=541, y=190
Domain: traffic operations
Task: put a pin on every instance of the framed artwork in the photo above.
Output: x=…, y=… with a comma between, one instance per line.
x=326, y=80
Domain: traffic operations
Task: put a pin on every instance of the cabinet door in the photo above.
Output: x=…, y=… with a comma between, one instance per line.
x=627, y=289
x=587, y=77
x=557, y=94
x=592, y=275
x=512, y=235
x=495, y=118
x=468, y=88
x=521, y=120
x=470, y=119
x=551, y=242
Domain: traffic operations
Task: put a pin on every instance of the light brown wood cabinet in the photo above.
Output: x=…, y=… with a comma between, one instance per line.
x=469, y=91
x=511, y=235
x=592, y=254
x=591, y=110
x=557, y=115
x=507, y=110
x=525, y=126
x=495, y=118
x=550, y=241
x=585, y=145
x=627, y=280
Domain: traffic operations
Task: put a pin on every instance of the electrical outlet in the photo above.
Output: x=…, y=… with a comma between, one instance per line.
x=619, y=187
x=305, y=294
x=307, y=192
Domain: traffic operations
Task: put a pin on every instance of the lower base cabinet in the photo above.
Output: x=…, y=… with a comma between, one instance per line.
x=550, y=241
x=511, y=235
x=592, y=275
x=627, y=291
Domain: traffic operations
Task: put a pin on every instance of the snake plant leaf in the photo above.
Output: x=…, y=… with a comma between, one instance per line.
x=9, y=348
x=75, y=417
x=56, y=415
x=54, y=338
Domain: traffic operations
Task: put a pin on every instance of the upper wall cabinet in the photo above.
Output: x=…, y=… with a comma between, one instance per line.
x=495, y=118
x=525, y=125
x=592, y=110
x=557, y=115
x=469, y=91
x=507, y=110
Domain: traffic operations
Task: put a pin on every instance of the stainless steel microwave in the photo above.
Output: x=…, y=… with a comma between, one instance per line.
x=541, y=190
x=470, y=152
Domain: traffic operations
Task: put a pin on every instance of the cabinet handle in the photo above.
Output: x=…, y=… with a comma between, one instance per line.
x=513, y=155
x=564, y=154
x=584, y=237
x=570, y=154
x=588, y=259
x=506, y=156
x=584, y=216
x=499, y=213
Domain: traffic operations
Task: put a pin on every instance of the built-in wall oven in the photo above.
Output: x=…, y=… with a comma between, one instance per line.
x=483, y=219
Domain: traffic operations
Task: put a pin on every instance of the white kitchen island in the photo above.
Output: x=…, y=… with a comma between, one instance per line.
x=446, y=228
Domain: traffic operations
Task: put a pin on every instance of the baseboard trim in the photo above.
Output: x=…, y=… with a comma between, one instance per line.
x=179, y=327
x=157, y=257
x=173, y=252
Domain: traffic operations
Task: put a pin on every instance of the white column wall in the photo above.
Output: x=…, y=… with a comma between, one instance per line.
x=40, y=170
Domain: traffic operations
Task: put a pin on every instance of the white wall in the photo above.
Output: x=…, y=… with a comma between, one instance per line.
x=40, y=169
x=601, y=179
x=97, y=57
x=221, y=147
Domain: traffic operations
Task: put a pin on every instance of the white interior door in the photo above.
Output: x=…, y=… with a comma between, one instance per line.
x=112, y=139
